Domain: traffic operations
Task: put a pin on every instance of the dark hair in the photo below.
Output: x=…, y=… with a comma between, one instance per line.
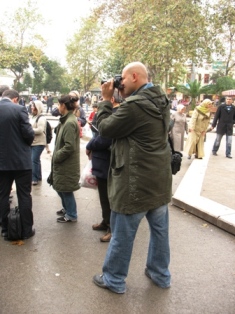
x=70, y=102
x=117, y=98
x=3, y=88
x=11, y=93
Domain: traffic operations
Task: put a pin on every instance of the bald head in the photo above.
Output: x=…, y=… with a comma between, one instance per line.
x=137, y=67
x=134, y=75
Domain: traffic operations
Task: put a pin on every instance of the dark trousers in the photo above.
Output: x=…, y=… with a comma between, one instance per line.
x=104, y=200
x=22, y=180
x=49, y=108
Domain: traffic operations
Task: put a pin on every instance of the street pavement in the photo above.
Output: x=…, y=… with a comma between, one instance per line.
x=52, y=272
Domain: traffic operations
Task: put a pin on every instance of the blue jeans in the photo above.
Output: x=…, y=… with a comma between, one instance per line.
x=228, y=143
x=36, y=152
x=117, y=260
x=69, y=204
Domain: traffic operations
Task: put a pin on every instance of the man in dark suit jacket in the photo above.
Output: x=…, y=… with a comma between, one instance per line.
x=225, y=116
x=16, y=137
x=50, y=103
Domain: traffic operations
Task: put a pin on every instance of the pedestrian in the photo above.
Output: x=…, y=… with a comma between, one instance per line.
x=15, y=161
x=81, y=117
x=87, y=102
x=50, y=103
x=180, y=126
x=81, y=100
x=65, y=173
x=22, y=101
x=174, y=104
x=38, y=122
x=139, y=179
x=198, y=126
x=98, y=150
x=2, y=89
x=91, y=117
x=224, y=120
x=44, y=99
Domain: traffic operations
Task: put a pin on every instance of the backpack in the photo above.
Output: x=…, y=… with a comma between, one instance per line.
x=14, y=224
x=48, y=133
x=48, y=130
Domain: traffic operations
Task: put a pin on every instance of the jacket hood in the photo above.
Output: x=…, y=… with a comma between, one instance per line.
x=152, y=100
x=39, y=106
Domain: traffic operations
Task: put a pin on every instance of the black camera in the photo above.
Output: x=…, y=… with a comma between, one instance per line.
x=117, y=82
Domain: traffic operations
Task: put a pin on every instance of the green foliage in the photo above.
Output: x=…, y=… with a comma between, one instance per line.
x=27, y=81
x=76, y=84
x=222, y=83
x=222, y=22
x=85, y=53
x=17, y=52
x=193, y=89
x=161, y=34
x=54, y=78
x=114, y=64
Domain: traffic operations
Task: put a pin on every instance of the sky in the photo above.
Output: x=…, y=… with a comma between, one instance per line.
x=64, y=17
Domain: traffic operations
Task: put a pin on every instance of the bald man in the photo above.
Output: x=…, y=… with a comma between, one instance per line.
x=139, y=179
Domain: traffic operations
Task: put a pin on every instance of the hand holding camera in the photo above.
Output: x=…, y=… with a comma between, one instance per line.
x=107, y=90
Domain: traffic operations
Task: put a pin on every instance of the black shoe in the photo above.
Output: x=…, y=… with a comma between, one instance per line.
x=229, y=156
x=214, y=154
x=29, y=236
x=61, y=212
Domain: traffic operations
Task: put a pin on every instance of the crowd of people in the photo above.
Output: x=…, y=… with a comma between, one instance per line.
x=199, y=124
x=131, y=159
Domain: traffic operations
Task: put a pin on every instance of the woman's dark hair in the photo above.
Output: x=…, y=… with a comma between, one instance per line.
x=70, y=102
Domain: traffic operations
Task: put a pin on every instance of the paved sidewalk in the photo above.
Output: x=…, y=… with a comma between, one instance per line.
x=52, y=272
x=208, y=186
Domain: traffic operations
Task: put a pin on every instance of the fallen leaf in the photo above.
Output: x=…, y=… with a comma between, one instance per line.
x=19, y=242
x=205, y=225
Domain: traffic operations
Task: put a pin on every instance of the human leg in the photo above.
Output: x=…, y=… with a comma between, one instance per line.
x=70, y=206
x=23, y=190
x=159, y=251
x=106, y=211
x=117, y=260
x=217, y=143
x=104, y=200
x=62, y=200
x=36, y=152
x=228, y=145
x=6, y=180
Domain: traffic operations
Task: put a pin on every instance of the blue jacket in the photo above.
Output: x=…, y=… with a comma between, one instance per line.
x=100, y=148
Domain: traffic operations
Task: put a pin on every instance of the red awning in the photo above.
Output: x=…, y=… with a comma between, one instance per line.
x=230, y=92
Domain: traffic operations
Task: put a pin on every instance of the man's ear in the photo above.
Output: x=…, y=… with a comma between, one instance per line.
x=135, y=76
x=15, y=100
